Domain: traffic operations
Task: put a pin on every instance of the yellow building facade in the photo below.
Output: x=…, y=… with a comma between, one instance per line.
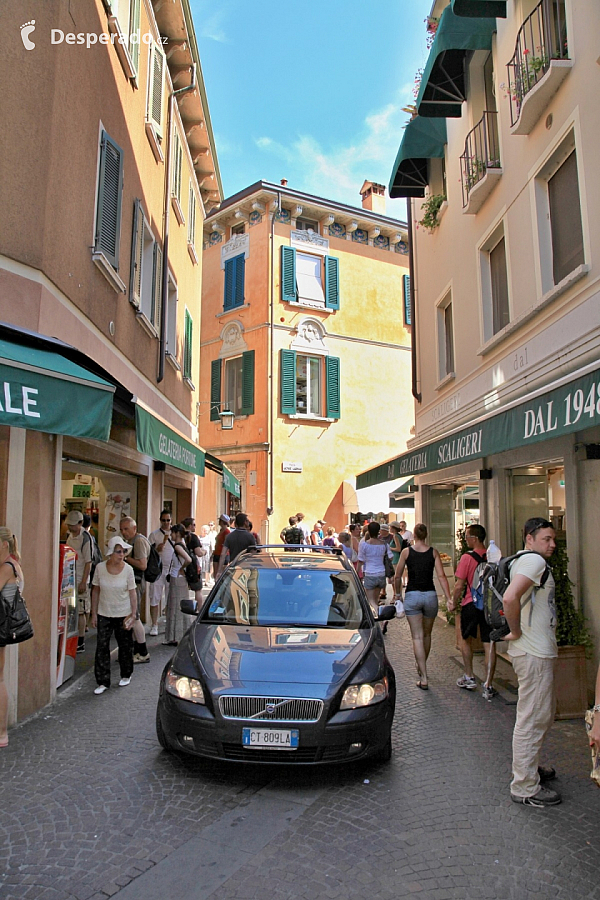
x=305, y=338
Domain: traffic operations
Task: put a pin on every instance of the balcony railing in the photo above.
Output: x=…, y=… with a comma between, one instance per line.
x=482, y=152
x=541, y=38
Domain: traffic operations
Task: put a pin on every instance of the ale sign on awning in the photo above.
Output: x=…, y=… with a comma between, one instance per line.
x=571, y=407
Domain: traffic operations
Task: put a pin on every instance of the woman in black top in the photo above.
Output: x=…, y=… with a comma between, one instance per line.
x=420, y=598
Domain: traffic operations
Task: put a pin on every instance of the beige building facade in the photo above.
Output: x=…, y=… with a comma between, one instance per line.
x=499, y=168
x=108, y=169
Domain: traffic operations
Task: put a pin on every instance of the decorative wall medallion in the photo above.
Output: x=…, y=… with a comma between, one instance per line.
x=310, y=336
x=237, y=244
x=336, y=229
x=283, y=215
x=255, y=217
x=233, y=340
x=401, y=247
x=382, y=242
x=215, y=237
x=309, y=241
x=360, y=236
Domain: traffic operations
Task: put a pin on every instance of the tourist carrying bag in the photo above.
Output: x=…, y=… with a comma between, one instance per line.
x=388, y=565
x=15, y=624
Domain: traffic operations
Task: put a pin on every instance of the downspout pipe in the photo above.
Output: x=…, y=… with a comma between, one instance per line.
x=270, y=508
x=413, y=318
x=162, y=347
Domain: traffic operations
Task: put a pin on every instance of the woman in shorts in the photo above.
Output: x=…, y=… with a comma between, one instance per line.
x=370, y=553
x=420, y=598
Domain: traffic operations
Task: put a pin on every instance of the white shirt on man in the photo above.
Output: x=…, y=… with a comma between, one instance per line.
x=538, y=620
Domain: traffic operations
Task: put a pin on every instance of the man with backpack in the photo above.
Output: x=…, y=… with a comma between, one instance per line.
x=472, y=618
x=530, y=613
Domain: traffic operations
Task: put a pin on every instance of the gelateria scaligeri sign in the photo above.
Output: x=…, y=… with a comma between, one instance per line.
x=571, y=407
x=160, y=442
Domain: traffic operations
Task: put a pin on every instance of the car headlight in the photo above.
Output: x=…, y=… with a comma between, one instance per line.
x=357, y=695
x=186, y=688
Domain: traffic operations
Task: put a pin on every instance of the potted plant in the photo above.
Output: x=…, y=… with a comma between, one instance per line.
x=574, y=642
x=431, y=208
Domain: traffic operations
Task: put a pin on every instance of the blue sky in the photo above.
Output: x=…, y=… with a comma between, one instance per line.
x=311, y=92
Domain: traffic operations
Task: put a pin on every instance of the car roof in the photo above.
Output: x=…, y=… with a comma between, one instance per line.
x=278, y=557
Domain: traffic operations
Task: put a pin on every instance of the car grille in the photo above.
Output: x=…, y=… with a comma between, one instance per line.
x=286, y=709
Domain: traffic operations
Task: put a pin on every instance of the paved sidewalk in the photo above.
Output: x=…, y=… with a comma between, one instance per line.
x=92, y=807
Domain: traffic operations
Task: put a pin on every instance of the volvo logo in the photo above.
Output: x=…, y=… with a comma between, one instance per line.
x=270, y=708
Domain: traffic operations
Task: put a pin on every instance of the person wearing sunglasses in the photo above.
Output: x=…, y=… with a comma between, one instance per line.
x=114, y=605
x=157, y=591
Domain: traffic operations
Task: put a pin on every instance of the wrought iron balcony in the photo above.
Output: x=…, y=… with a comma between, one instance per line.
x=480, y=162
x=541, y=39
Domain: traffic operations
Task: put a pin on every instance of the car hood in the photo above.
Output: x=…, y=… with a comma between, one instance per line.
x=238, y=656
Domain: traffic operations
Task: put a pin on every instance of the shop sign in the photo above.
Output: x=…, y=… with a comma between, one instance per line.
x=571, y=407
x=230, y=482
x=160, y=442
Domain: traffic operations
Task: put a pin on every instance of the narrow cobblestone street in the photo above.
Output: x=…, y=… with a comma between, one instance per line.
x=91, y=806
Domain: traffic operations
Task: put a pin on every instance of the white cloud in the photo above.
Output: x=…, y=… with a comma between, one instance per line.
x=212, y=28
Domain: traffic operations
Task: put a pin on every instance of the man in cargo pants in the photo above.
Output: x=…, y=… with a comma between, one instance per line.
x=530, y=613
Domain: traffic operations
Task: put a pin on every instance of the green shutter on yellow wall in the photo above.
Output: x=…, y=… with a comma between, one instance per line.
x=248, y=383
x=332, y=387
x=156, y=312
x=188, y=346
x=287, y=384
x=332, y=282
x=215, y=390
x=289, y=293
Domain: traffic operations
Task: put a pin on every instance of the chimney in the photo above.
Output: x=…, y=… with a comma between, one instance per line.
x=373, y=197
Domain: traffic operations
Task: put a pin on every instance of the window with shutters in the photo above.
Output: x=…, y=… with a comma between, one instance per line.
x=309, y=280
x=124, y=22
x=171, y=323
x=145, y=283
x=234, y=282
x=494, y=283
x=232, y=385
x=154, y=99
x=108, y=206
x=191, y=235
x=445, y=329
x=309, y=385
x=188, y=340
x=177, y=166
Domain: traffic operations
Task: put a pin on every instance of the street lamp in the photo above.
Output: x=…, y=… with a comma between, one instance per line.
x=227, y=418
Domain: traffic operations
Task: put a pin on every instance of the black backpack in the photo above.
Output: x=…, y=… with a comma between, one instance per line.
x=96, y=552
x=495, y=578
x=153, y=568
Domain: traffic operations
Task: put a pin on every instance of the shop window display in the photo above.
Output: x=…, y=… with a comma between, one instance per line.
x=106, y=496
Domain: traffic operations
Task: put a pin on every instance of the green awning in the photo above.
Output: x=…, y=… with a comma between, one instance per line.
x=568, y=408
x=423, y=139
x=402, y=490
x=163, y=444
x=443, y=87
x=479, y=9
x=43, y=391
x=230, y=482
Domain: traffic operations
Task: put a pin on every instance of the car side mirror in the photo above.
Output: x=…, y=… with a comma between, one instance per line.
x=386, y=612
x=189, y=607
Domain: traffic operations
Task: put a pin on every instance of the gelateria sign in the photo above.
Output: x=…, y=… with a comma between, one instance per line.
x=571, y=407
x=161, y=443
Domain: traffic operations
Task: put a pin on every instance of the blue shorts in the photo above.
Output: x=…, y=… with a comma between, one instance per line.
x=421, y=603
x=374, y=581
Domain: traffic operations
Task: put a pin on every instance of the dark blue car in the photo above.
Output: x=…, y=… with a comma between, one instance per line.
x=285, y=663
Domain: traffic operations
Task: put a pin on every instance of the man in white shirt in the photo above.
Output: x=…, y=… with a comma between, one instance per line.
x=405, y=533
x=303, y=527
x=81, y=543
x=531, y=615
x=164, y=548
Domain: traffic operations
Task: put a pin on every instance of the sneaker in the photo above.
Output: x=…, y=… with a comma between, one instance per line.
x=81, y=645
x=138, y=658
x=546, y=773
x=468, y=683
x=544, y=797
x=124, y=682
x=100, y=689
x=154, y=630
x=489, y=692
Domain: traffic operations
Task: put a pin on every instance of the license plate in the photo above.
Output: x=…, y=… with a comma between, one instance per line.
x=271, y=738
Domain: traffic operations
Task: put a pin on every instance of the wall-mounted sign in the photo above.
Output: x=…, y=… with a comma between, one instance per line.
x=291, y=466
x=82, y=490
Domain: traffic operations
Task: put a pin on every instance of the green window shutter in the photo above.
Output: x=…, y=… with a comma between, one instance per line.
x=134, y=33
x=332, y=387
x=248, y=383
x=177, y=163
x=288, y=275
x=187, y=346
x=110, y=190
x=406, y=295
x=215, y=390
x=156, y=286
x=155, y=88
x=192, y=216
x=332, y=282
x=234, y=281
x=137, y=247
x=287, y=387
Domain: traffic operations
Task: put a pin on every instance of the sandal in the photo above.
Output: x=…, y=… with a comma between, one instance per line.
x=424, y=687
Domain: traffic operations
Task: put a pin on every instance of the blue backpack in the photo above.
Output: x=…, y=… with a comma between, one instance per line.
x=477, y=580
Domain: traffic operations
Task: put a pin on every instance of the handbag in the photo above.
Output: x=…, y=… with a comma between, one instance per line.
x=15, y=624
x=388, y=565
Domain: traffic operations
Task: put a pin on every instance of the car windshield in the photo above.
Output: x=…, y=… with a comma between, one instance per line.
x=287, y=596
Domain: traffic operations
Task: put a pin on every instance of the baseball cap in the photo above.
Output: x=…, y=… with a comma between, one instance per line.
x=74, y=517
x=224, y=518
x=384, y=526
x=117, y=541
